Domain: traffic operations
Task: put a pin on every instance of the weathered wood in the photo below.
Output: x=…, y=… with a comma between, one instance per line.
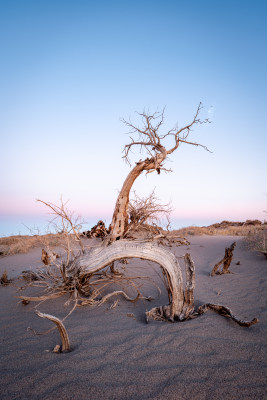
x=119, y=223
x=61, y=328
x=190, y=286
x=97, y=231
x=226, y=312
x=100, y=257
x=181, y=301
x=226, y=261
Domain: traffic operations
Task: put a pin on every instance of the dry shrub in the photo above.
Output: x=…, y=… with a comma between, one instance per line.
x=4, y=279
x=147, y=213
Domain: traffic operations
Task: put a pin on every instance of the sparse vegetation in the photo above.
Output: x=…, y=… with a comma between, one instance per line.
x=4, y=279
x=226, y=228
x=257, y=241
x=22, y=244
x=254, y=235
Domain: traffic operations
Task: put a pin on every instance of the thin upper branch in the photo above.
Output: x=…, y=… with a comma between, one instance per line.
x=150, y=138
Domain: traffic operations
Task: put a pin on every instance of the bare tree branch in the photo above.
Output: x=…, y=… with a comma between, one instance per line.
x=66, y=220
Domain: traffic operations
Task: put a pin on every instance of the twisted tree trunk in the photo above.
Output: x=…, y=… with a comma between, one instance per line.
x=181, y=303
x=119, y=223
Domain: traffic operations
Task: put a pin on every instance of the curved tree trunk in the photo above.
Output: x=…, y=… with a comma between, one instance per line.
x=181, y=305
x=120, y=217
x=101, y=257
x=119, y=222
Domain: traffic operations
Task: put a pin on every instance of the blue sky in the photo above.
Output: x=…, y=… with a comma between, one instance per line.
x=70, y=71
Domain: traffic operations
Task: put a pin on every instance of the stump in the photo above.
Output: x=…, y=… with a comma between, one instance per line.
x=226, y=260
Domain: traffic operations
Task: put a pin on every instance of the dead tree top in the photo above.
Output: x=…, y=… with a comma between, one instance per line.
x=150, y=138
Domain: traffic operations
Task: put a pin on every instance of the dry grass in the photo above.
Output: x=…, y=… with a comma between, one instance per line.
x=227, y=231
x=22, y=244
x=255, y=236
x=4, y=279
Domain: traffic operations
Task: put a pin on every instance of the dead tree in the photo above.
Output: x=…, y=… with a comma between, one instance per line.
x=150, y=139
x=75, y=275
x=226, y=260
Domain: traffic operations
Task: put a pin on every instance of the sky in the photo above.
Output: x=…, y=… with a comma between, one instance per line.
x=71, y=70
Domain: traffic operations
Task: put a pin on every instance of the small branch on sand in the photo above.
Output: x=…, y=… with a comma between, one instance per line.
x=62, y=330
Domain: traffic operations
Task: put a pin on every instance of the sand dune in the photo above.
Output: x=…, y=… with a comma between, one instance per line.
x=116, y=355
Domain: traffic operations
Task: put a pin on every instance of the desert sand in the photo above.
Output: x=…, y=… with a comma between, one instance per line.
x=117, y=355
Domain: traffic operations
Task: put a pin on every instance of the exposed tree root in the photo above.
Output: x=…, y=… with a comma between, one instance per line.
x=61, y=328
x=226, y=312
x=161, y=314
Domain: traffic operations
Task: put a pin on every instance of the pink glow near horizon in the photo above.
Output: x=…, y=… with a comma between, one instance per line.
x=38, y=210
